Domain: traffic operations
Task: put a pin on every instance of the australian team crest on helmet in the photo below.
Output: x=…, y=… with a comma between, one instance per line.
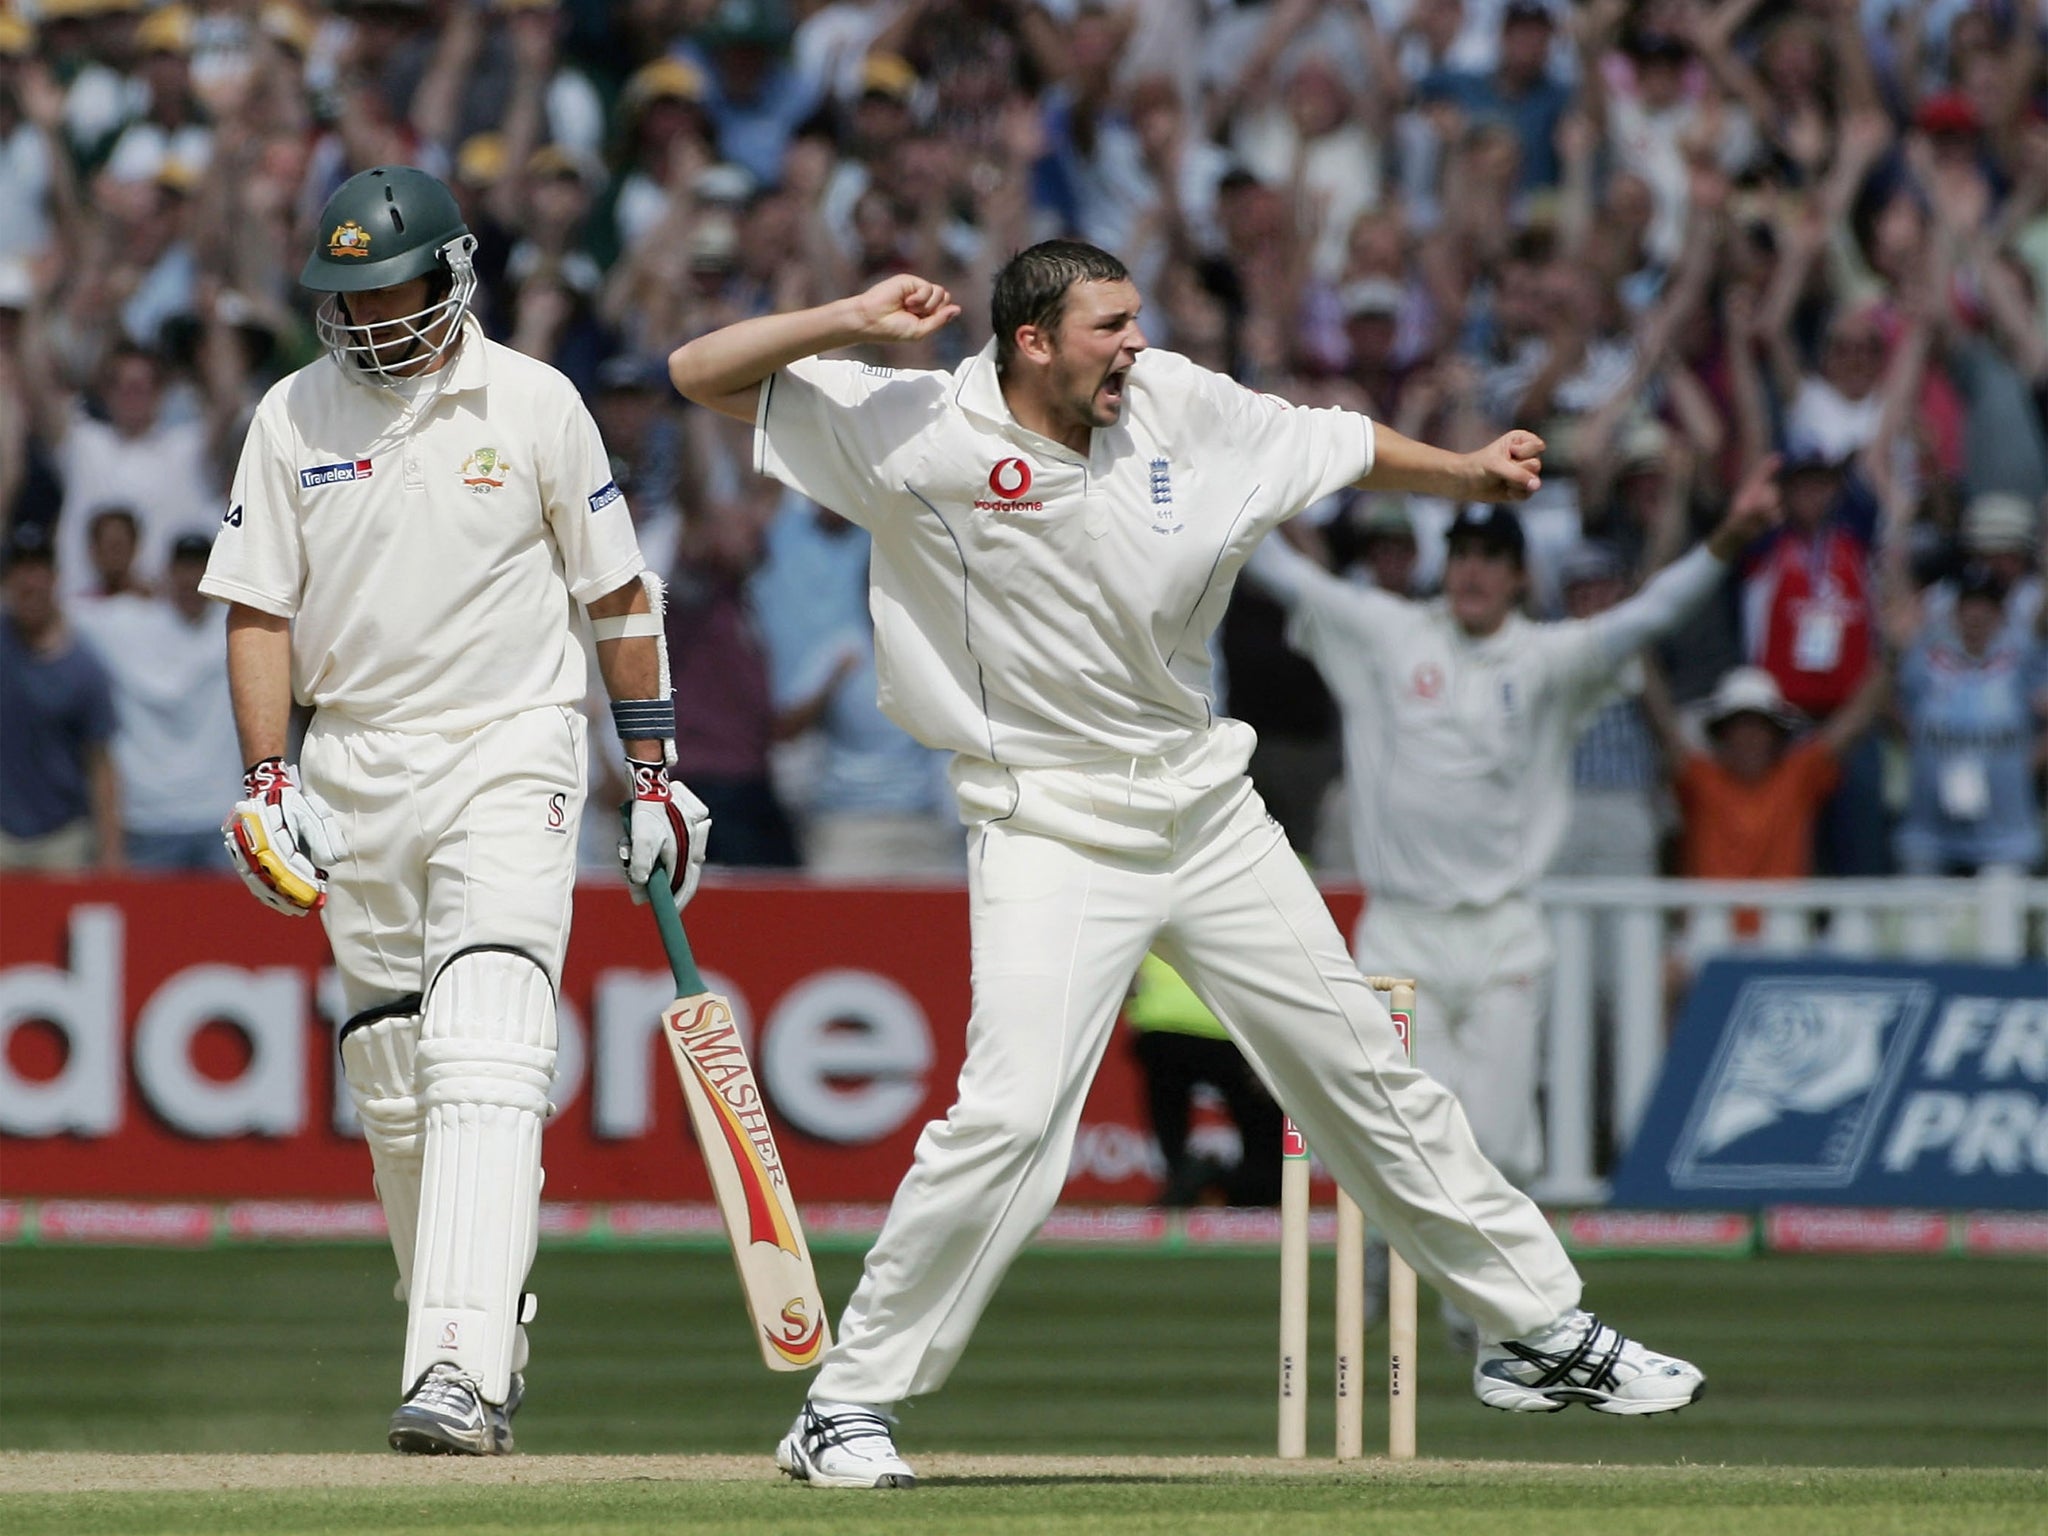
x=483, y=471
x=349, y=239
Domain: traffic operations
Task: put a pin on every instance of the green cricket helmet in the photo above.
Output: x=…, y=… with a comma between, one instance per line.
x=383, y=227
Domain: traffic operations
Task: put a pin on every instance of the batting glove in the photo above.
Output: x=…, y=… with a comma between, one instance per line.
x=663, y=824
x=282, y=839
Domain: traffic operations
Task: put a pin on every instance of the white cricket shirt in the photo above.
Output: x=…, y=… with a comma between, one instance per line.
x=1035, y=607
x=174, y=741
x=1458, y=751
x=428, y=572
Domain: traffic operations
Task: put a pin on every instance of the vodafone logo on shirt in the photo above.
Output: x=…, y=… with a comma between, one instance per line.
x=1010, y=480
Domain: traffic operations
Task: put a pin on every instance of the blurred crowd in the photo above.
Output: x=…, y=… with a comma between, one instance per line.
x=1675, y=237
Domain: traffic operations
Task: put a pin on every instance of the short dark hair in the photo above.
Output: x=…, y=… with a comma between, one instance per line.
x=1032, y=287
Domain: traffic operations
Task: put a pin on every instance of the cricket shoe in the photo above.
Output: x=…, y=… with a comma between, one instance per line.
x=1579, y=1359
x=445, y=1415
x=843, y=1445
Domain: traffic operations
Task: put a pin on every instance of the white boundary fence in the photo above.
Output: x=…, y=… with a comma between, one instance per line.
x=1615, y=936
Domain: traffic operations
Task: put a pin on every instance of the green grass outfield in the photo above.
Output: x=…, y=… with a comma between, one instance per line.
x=1876, y=1364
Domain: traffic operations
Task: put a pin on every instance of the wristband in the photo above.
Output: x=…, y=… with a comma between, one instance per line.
x=645, y=719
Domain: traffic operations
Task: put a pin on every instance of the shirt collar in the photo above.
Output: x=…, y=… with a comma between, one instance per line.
x=471, y=369
x=978, y=391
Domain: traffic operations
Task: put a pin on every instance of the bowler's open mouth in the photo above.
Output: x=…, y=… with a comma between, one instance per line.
x=1113, y=387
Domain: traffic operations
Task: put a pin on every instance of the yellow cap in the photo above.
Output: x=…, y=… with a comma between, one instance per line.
x=674, y=79
x=480, y=161
x=17, y=37
x=887, y=74
x=165, y=30
x=284, y=22
x=66, y=10
x=553, y=160
x=176, y=176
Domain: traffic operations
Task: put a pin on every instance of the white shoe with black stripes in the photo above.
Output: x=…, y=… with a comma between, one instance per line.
x=445, y=1415
x=843, y=1445
x=1579, y=1359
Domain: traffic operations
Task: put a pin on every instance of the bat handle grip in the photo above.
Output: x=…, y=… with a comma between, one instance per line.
x=673, y=939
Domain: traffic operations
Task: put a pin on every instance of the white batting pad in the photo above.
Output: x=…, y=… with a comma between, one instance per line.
x=378, y=1061
x=487, y=1049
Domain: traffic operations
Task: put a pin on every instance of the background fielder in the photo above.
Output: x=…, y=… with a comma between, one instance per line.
x=1056, y=526
x=414, y=522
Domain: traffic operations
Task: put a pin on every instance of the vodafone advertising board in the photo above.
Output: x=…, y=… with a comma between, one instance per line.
x=168, y=1038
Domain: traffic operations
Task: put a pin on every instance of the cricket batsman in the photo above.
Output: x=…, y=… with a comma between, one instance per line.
x=1057, y=526
x=416, y=522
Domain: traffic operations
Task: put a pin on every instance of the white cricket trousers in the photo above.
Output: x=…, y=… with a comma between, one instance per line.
x=1482, y=978
x=1058, y=928
x=453, y=841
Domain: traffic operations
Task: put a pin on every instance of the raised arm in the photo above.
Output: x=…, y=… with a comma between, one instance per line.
x=1847, y=724
x=1510, y=468
x=723, y=371
x=1669, y=596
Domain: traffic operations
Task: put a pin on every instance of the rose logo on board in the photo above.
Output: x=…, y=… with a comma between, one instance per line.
x=1010, y=479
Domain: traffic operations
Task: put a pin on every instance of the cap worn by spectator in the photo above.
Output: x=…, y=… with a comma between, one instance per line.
x=191, y=546
x=1384, y=517
x=1491, y=530
x=1749, y=691
x=17, y=37
x=1999, y=522
x=1980, y=581
x=81, y=10
x=480, y=162
x=287, y=24
x=1806, y=456
x=1644, y=446
x=165, y=30
x=1370, y=296
x=723, y=183
x=1526, y=11
x=663, y=80
x=28, y=544
x=746, y=24
x=888, y=75
x=714, y=244
x=1591, y=560
x=551, y=160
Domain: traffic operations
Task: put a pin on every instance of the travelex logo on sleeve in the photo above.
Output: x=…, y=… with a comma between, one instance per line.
x=333, y=474
x=1851, y=1083
x=604, y=495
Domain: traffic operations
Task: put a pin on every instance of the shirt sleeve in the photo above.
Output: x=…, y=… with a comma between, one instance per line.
x=843, y=433
x=1586, y=654
x=259, y=555
x=1335, y=623
x=585, y=508
x=1297, y=454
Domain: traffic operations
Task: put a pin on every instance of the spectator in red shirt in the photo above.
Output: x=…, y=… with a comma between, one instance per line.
x=1810, y=622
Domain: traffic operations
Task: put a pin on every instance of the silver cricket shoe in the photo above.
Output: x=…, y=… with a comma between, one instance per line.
x=843, y=1445
x=445, y=1415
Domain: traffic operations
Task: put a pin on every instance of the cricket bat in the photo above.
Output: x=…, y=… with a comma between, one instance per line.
x=730, y=1118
